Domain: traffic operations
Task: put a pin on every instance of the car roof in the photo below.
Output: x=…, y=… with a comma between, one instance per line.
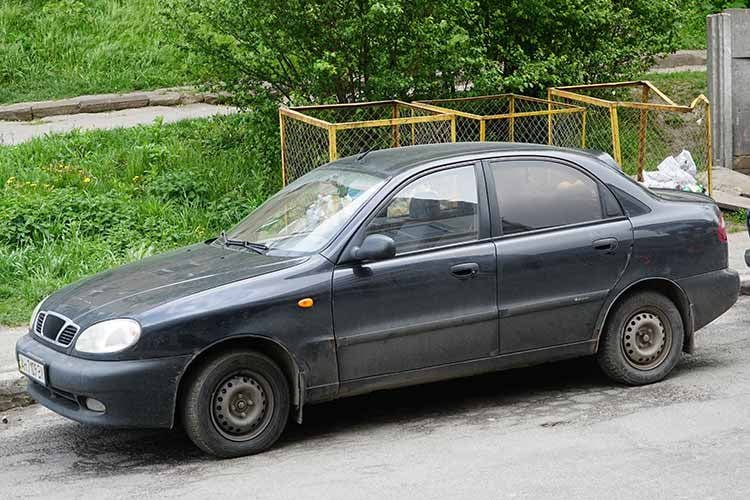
x=394, y=161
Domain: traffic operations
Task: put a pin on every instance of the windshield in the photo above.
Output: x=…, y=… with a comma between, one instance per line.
x=304, y=216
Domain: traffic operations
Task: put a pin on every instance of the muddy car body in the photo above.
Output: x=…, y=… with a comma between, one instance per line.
x=423, y=263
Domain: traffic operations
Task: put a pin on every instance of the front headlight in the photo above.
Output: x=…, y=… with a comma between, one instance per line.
x=35, y=313
x=109, y=336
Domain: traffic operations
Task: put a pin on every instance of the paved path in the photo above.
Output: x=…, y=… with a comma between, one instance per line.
x=556, y=431
x=18, y=132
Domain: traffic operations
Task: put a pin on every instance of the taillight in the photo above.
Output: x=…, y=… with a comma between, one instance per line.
x=722, y=231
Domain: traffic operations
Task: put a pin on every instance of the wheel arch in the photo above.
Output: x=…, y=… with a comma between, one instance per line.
x=665, y=286
x=267, y=346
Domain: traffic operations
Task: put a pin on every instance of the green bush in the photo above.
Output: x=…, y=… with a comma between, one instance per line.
x=326, y=50
x=81, y=203
x=692, y=28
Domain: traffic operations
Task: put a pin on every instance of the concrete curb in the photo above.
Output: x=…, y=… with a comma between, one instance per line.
x=683, y=58
x=13, y=391
x=28, y=111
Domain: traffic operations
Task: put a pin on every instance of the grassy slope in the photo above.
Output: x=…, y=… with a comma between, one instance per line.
x=63, y=48
x=77, y=204
x=681, y=87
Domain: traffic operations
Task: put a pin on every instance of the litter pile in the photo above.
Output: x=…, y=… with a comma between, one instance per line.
x=675, y=172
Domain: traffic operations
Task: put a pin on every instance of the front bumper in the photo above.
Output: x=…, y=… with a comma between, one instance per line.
x=138, y=393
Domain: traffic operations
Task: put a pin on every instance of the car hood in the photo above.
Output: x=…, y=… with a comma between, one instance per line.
x=132, y=289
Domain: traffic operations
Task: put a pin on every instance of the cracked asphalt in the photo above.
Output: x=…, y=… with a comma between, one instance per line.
x=560, y=430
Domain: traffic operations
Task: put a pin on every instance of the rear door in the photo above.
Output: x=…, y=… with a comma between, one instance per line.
x=562, y=244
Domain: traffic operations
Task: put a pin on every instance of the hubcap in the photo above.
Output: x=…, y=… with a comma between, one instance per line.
x=646, y=339
x=242, y=406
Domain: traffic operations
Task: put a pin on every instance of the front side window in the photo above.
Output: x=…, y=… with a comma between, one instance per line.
x=435, y=210
x=537, y=194
x=304, y=216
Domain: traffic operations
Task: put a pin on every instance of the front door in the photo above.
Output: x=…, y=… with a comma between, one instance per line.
x=434, y=302
x=564, y=244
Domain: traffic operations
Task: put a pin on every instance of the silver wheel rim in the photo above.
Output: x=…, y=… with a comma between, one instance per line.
x=646, y=339
x=242, y=406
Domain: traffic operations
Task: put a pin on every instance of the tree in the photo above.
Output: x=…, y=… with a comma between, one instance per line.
x=352, y=50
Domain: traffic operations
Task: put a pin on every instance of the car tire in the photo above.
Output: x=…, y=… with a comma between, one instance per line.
x=235, y=404
x=642, y=339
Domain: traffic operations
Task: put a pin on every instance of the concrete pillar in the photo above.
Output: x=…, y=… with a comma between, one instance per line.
x=729, y=87
x=720, y=87
x=740, y=22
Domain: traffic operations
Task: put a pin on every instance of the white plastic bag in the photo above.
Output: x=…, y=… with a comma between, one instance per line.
x=686, y=163
x=675, y=172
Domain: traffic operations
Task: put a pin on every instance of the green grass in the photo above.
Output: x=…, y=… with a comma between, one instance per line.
x=77, y=204
x=64, y=48
x=682, y=87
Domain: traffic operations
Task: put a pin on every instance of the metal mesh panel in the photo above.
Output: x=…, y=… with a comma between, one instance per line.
x=305, y=147
x=315, y=135
x=646, y=134
x=515, y=118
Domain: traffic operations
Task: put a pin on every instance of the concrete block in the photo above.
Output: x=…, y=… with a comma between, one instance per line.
x=54, y=108
x=683, y=58
x=16, y=112
x=112, y=102
x=163, y=98
x=216, y=97
x=742, y=165
x=191, y=98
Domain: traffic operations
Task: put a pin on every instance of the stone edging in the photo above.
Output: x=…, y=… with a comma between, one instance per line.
x=28, y=111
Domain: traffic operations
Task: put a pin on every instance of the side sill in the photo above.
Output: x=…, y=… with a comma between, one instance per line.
x=466, y=368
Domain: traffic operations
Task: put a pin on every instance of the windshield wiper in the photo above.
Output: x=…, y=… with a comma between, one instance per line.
x=255, y=247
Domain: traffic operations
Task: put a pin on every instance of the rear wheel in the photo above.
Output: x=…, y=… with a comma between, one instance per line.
x=236, y=404
x=642, y=340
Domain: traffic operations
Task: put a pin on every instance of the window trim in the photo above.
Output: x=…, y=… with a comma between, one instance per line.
x=485, y=227
x=494, y=202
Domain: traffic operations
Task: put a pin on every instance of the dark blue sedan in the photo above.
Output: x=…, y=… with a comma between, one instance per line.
x=395, y=267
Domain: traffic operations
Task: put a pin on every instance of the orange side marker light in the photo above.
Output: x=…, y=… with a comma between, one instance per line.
x=305, y=303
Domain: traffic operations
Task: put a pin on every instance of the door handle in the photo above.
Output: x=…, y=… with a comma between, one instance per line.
x=465, y=271
x=605, y=245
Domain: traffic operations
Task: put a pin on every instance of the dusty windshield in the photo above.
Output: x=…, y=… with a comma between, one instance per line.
x=303, y=217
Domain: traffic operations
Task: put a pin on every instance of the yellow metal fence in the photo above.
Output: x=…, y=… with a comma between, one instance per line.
x=314, y=135
x=639, y=125
x=515, y=118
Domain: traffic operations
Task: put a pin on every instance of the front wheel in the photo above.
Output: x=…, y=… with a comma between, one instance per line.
x=236, y=404
x=642, y=340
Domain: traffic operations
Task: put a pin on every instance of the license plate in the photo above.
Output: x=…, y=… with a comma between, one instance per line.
x=32, y=369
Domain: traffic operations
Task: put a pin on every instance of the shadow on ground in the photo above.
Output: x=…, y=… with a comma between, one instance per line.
x=547, y=395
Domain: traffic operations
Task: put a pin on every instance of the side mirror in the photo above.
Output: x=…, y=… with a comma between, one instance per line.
x=375, y=247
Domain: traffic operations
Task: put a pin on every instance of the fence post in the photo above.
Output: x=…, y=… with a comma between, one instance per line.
x=583, y=129
x=332, y=152
x=512, y=110
x=642, y=133
x=615, y=124
x=482, y=130
x=282, y=134
x=453, y=128
x=394, y=128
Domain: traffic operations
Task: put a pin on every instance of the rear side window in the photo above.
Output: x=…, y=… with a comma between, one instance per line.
x=537, y=194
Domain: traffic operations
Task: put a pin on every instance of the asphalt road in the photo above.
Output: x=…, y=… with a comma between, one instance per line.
x=557, y=431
